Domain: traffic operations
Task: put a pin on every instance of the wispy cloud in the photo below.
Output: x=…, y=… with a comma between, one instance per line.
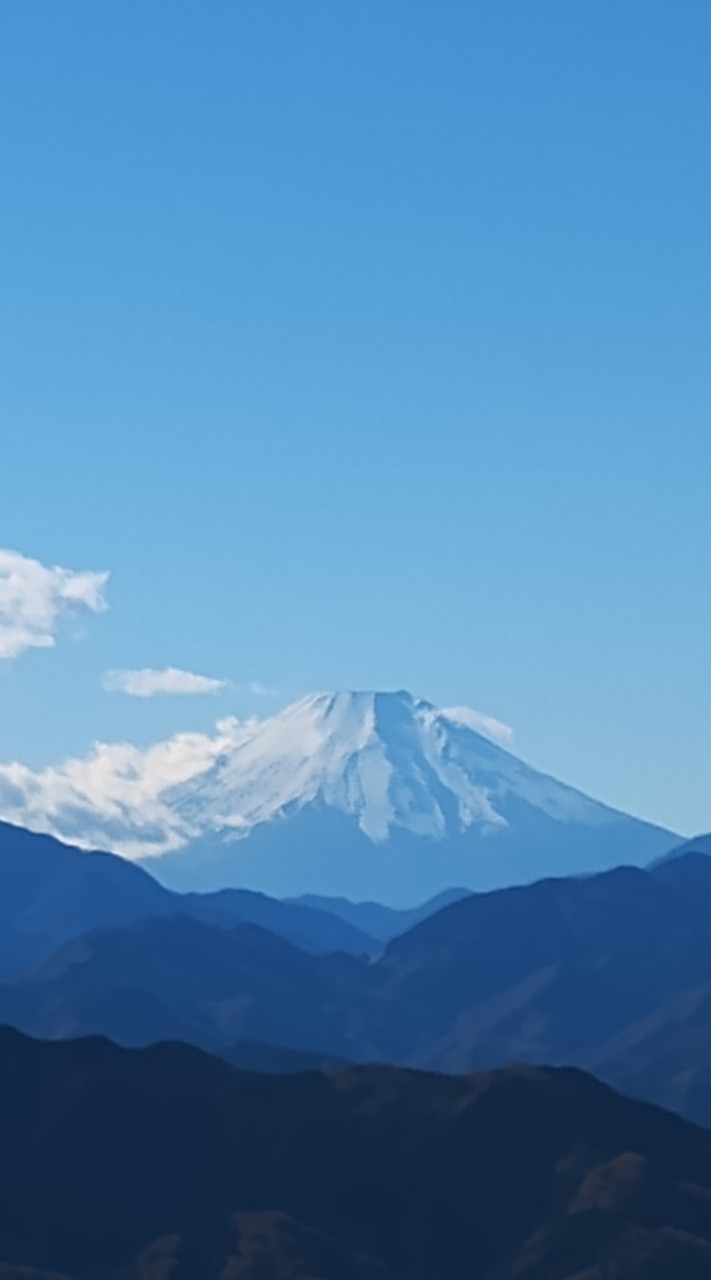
x=34, y=597
x=148, y=683
x=261, y=690
x=480, y=722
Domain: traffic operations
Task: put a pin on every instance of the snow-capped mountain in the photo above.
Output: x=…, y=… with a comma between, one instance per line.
x=386, y=761
x=362, y=795
x=382, y=795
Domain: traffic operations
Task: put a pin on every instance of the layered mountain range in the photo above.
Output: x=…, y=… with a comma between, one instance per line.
x=320, y=1117
x=306, y=1144
x=610, y=972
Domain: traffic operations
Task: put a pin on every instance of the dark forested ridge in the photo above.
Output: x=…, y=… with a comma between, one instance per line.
x=144, y=1165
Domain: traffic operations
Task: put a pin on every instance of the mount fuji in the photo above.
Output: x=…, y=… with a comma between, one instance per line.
x=384, y=796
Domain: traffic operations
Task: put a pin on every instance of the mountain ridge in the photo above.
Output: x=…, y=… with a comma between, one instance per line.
x=135, y=1165
x=52, y=892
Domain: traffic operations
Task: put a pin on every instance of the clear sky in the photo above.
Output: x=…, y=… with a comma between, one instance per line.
x=366, y=345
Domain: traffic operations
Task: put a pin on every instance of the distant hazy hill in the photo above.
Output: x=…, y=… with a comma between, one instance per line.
x=377, y=920
x=173, y=977
x=51, y=892
x=697, y=844
x=546, y=972
x=120, y=1165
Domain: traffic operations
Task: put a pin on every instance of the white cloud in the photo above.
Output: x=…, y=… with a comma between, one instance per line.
x=147, y=683
x=119, y=796
x=262, y=690
x=480, y=722
x=34, y=597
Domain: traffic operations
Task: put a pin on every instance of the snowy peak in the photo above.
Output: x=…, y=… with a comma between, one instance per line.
x=352, y=720
x=388, y=761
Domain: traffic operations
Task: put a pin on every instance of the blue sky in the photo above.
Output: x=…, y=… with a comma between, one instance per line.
x=366, y=345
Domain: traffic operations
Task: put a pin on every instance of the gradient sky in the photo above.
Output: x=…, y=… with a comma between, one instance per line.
x=366, y=345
